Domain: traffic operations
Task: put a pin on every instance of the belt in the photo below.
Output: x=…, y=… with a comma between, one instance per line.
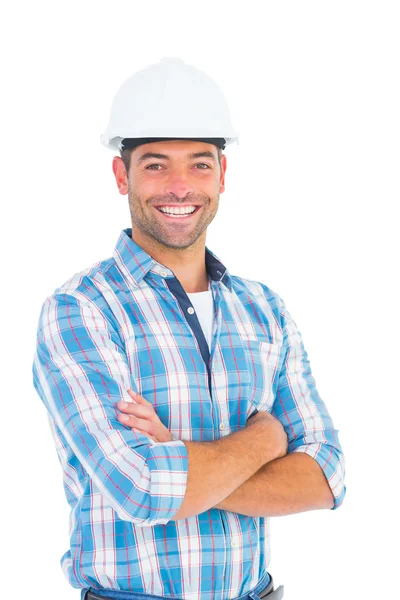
x=268, y=592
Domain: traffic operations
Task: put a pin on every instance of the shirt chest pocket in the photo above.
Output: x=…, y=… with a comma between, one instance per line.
x=263, y=365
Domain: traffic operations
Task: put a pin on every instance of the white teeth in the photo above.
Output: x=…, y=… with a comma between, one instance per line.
x=177, y=210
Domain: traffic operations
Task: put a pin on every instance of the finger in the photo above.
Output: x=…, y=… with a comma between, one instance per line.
x=131, y=422
x=135, y=430
x=137, y=397
x=131, y=408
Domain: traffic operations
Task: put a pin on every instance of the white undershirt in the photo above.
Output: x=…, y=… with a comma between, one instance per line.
x=203, y=304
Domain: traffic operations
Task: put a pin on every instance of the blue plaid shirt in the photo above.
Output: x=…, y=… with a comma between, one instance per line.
x=124, y=322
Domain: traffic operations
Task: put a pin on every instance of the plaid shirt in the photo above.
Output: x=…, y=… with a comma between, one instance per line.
x=127, y=322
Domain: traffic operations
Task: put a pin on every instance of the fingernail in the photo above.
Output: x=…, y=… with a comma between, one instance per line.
x=123, y=404
x=123, y=417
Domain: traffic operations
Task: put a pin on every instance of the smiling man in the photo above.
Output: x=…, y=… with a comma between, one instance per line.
x=180, y=396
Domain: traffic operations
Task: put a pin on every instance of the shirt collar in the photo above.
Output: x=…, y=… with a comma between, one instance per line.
x=135, y=263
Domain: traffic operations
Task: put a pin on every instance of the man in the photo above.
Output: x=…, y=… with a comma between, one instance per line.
x=180, y=396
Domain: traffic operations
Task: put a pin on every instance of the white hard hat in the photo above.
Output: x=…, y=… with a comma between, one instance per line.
x=170, y=99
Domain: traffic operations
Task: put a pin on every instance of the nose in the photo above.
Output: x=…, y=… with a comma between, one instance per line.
x=179, y=184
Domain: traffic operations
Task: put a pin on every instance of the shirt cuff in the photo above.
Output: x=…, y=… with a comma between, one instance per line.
x=332, y=467
x=168, y=466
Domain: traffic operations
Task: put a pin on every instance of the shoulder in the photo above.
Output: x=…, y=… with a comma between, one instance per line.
x=270, y=302
x=83, y=291
x=85, y=283
x=255, y=290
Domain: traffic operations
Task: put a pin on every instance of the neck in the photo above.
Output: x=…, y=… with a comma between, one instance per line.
x=188, y=264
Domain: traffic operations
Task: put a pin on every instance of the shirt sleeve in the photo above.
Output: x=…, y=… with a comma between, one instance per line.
x=303, y=413
x=80, y=371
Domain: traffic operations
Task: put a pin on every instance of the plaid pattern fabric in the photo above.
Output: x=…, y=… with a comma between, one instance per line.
x=124, y=322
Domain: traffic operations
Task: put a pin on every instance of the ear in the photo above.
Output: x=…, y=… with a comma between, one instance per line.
x=120, y=174
x=222, y=178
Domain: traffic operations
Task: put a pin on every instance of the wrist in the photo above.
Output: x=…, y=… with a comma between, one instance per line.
x=267, y=435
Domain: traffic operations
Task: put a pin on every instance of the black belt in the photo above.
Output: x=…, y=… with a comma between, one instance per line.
x=268, y=592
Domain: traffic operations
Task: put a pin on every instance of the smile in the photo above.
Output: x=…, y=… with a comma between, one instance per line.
x=178, y=212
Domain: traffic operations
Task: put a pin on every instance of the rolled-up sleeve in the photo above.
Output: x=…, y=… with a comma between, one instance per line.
x=80, y=371
x=302, y=411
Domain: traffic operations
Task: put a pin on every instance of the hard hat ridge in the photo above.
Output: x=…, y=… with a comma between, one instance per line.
x=133, y=142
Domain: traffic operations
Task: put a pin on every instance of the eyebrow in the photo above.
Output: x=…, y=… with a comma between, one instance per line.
x=206, y=154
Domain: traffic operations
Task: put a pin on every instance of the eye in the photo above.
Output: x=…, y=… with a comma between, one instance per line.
x=204, y=165
x=153, y=165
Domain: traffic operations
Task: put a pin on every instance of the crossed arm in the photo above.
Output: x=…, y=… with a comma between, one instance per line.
x=289, y=484
x=80, y=370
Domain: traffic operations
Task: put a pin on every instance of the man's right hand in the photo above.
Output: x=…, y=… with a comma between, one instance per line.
x=275, y=430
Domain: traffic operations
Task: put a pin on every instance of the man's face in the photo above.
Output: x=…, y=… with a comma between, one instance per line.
x=169, y=177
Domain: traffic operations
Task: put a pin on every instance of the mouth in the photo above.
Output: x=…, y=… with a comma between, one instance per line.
x=175, y=213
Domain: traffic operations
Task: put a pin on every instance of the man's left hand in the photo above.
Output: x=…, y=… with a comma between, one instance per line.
x=140, y=416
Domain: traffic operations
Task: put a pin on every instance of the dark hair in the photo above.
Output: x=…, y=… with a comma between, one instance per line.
x=126, y=157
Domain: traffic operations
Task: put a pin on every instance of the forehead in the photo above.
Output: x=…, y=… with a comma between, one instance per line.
x=174, y=149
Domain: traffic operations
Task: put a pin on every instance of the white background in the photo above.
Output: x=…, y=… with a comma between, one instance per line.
x=309, y=209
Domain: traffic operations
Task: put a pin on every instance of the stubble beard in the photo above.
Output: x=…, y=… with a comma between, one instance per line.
x=141, y=210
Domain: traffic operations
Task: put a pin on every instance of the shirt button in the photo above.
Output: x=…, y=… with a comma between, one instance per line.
x=190, y=310
x=235, y=543
x=222, y=426
x=163, y=273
